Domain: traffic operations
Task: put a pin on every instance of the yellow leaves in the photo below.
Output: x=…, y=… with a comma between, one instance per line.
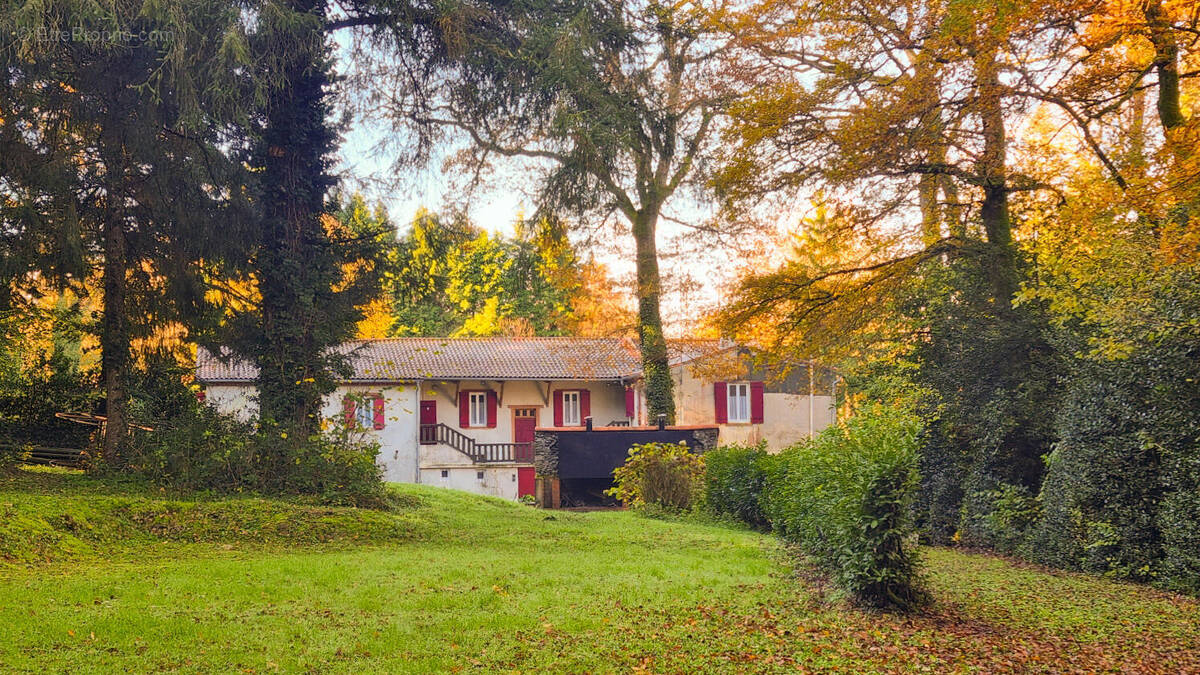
x=377, y=320
x=486, y=321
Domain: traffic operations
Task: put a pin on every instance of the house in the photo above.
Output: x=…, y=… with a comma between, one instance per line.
x=461, y=412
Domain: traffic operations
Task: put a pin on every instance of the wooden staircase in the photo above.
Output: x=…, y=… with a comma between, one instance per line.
x=480, y=453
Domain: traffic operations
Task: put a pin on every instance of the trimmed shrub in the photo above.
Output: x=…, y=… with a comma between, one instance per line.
x=1104, y=481
x=845, y=499
x=202, y=449
x=735, y=476
x=1179, y=519
x=659, y=475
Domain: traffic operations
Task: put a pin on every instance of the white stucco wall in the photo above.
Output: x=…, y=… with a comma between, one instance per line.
x=785, y=416
x=499, y=480
x=607, y=403
x=238, y=400
x=397, y=439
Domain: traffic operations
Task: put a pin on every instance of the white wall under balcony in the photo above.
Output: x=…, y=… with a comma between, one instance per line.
x=498, y=480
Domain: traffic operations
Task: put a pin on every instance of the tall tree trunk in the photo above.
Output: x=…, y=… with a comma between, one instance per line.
x=293, y=275
x=660, y=398
x=927, y=81
x=1166, y=66
x=993, y=212
x=931, y=217
x=1180, y=143
x=114, y=339
x=1135, y=155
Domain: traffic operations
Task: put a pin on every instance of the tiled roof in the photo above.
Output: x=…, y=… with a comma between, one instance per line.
x=500, y=358
x=683, y=351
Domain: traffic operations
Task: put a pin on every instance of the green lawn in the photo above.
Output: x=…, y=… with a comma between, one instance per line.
x=123, y=580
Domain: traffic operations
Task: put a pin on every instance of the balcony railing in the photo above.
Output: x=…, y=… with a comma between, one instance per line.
x=483, y=453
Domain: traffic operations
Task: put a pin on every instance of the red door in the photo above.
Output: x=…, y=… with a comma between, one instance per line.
x=524, y=422
x=524, y=480
x=428, y=422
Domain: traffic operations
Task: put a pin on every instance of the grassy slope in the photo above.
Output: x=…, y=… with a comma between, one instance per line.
x=456, y=582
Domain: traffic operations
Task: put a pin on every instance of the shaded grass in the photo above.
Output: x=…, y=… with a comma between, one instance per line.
x=478, y=584
x=51, y=515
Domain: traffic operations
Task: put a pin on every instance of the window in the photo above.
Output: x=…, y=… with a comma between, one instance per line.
x=364, y=413
x=739, y=402
x=479, y=475
x=445, y=473
x=477, y=402
x=570, y=401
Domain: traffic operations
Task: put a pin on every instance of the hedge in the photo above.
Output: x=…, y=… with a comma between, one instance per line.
x=734, y=479
x=844, y=499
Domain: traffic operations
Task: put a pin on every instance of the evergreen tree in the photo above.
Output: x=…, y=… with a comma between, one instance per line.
x=451, y=278
x=119, y=165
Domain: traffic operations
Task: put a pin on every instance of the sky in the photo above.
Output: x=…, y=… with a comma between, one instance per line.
x=697, y=277
x=364, y=169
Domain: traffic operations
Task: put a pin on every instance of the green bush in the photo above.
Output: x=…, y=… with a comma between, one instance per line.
x=735, y=476
x=659, y=476
x=845, y=500
x=1179, y=519
x=1014, y=513
x=1104, y=481
x=202, y=449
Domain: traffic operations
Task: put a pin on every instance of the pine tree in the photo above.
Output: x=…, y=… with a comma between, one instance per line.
x=119, y=170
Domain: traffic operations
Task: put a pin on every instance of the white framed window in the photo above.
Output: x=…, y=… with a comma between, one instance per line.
x=364, y=413
x=570, y=401
x=738, y=402
x=477, y=402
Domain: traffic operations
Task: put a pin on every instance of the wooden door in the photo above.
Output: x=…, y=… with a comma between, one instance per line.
x=524, y=422
x=428, y=422
x=525, y=480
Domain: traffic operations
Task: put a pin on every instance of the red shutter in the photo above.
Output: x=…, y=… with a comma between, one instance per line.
x=558, y=408
x=464, y=409
x=585, y=406
x=491, y=409
x=756, y=402
x=720, y=396
x=629, y=402
x=348, y=410
x=378, y=410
